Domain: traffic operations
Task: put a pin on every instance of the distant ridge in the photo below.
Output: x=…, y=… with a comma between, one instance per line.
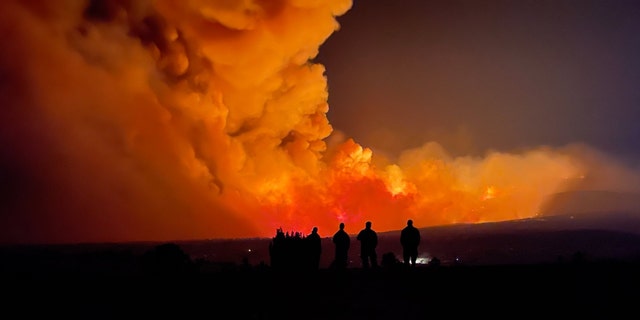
x=591, y=201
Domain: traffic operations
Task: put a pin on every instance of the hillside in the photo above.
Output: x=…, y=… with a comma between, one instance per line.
x=597, y=237
x=558, y=265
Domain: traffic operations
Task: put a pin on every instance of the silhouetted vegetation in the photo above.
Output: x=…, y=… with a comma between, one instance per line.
x=167, y=258
x=294, y=251
x=389, y=261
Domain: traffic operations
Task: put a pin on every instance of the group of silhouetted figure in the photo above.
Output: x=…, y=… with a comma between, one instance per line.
x=297, y=251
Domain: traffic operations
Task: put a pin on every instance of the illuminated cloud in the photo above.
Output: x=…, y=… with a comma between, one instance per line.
x=160, y=120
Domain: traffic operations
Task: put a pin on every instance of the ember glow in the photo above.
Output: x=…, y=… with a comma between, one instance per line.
x=160, y=120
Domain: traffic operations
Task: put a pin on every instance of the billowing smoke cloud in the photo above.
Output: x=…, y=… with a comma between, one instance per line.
x=157, y=120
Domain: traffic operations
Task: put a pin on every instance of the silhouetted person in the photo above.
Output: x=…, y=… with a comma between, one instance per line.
x=277, y=249
x=342, y=242
x=368, y=243
x=314, y=248
x=410, y=239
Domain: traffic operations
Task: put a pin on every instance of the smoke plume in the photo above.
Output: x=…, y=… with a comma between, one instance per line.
x=132, y=120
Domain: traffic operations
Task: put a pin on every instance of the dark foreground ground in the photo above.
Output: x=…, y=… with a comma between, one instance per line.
x=597, y=290
x=552, y=268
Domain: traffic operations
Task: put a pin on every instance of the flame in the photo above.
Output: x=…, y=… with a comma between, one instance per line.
x=490, y=193
x=148, y=120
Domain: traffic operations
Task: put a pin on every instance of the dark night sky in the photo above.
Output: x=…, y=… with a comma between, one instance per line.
x=487, y=75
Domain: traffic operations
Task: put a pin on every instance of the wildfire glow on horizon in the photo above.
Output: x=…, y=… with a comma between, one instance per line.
x=161, y=120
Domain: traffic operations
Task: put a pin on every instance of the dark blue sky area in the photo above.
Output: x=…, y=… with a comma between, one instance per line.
x=487, y=75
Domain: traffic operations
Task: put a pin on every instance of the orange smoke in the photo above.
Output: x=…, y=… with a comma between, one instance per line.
x=159, y=120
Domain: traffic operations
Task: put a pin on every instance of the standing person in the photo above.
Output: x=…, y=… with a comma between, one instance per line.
x=342, y=241
x=368, y=243
x=410, y=239
x=314, y=248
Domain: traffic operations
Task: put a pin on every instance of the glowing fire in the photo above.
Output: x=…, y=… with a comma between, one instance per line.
x=199, y=119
